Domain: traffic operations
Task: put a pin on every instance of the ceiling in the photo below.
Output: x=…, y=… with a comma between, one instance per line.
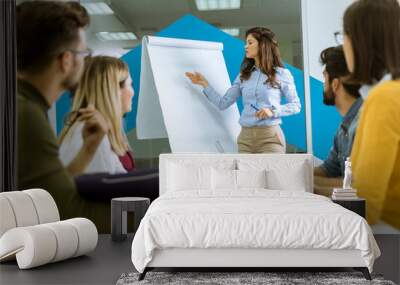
x=146, y=17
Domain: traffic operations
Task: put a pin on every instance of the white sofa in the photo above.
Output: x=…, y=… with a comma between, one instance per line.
x=31, y=231
x=202, y=192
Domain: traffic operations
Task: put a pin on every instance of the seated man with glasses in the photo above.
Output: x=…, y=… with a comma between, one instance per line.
x=51, y=49
x=347, y=100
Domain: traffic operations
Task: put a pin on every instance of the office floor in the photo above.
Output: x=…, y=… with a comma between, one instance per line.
x=102, y=266
x=110, y=259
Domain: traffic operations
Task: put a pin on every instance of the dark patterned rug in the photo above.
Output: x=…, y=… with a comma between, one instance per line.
x=242, y=278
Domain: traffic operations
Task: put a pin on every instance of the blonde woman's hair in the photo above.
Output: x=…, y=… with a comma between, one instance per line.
x=99, y=86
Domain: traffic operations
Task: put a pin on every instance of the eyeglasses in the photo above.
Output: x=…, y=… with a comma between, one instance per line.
x=338, y=37
x=87, y=52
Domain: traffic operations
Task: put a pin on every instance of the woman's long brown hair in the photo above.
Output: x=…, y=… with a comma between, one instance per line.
x=373, y=27
x=269, y=54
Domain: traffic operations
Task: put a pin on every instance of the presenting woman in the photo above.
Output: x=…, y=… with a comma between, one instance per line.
x=262, y=82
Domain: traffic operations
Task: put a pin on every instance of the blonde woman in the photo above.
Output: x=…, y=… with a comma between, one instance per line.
x=106, y=86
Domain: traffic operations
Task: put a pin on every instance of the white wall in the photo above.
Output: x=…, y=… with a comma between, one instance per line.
x=52, y=114
x=320, y=20
x=323, y=19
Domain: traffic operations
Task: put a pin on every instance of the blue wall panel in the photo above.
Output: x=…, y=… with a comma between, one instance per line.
x=63, y=106
x=294, y=127
x=325, y=120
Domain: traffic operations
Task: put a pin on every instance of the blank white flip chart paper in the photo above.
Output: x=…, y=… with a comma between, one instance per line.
x=171, y=106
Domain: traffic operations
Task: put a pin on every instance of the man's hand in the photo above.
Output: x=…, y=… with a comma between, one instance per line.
x=197, y=78
x=264, y=113
x=324, y=185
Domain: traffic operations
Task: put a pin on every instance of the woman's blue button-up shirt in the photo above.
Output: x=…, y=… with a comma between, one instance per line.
x=262, y=95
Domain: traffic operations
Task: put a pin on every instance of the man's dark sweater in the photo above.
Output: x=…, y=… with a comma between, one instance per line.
x=39, y=165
